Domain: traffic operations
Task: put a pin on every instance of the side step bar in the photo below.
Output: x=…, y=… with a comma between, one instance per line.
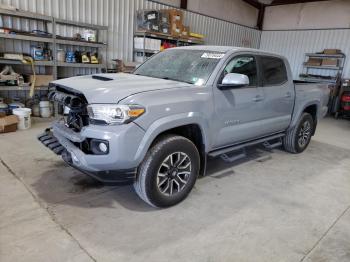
x=227, y=158
x=264, y=141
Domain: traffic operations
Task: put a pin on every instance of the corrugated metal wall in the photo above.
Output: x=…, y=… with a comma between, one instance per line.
x=294, y=45
x=118, y=15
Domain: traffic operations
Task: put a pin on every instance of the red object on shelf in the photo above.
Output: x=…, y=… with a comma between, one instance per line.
x=168, y=45
x=345, y=102
x=345, y=97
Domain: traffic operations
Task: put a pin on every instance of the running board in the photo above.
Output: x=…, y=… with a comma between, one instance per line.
x=230, y=159
x=269, y=146
x=264, y=141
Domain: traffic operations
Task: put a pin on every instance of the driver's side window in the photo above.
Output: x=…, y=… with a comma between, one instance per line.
x=245, y=65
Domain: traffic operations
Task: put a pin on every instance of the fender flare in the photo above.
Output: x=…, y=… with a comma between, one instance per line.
x=298, y=112
x=163, y=124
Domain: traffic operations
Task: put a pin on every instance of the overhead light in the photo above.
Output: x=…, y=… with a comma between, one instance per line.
x=265, y=2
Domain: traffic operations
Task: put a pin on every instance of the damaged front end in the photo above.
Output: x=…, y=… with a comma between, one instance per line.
x=72, y=121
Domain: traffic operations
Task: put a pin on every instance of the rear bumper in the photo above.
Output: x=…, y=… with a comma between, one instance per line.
x=119, y=163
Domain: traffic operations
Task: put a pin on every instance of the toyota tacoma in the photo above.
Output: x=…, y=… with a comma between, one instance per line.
x=158, y=125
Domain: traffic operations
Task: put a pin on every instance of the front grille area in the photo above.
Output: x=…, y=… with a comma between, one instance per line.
x=78, y=116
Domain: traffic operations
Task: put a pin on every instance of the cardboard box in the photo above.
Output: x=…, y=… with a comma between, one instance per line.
x=165, y=28
x=8, y=124
x=175, y=16
x=148, y=20
x=148, y=43
x=176, y=30
x=41, y=80
x=330, y=62
x=185, y=31
x=331, y=51
x=314, y=61
x=164, y=17
x=130, y=66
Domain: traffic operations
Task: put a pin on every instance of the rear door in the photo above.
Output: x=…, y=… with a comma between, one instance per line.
x=278, y=92
x=238, y=110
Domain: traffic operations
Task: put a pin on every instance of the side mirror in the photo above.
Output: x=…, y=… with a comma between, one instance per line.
x=233, y=80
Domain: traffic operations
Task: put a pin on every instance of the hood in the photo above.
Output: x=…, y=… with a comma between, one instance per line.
x=111, y=88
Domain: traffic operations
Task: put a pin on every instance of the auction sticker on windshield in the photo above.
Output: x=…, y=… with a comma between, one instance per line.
x=213, y=55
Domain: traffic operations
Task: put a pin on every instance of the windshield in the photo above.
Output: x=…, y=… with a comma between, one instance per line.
x=190, y=66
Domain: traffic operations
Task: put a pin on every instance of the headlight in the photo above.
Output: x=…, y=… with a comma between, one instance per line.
x=114, y=114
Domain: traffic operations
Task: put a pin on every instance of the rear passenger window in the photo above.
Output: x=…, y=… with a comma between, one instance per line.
x=273, y=71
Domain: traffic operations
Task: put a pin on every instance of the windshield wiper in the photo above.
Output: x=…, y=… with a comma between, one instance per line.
x=173, y=79
x=166, y=78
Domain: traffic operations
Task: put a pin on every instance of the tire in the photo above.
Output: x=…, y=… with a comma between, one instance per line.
x=169, y=171
x=292, y=142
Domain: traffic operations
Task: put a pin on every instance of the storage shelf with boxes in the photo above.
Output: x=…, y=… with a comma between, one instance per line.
x=43, y=56
x=327, y=66
x=157, y=30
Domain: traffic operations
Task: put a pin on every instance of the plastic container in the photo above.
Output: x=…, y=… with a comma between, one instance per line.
x=61, y=55
x=23, y=115
x=37, y=52
x=3, y=106
x=36, y=110
x=15, y=104
x=70, y=57
x=45, y=110
x=89, y=35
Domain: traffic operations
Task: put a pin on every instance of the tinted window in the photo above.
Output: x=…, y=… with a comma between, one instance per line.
x=273, y=71
x=245, y=65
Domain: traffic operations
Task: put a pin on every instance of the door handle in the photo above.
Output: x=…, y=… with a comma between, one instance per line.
x=257, y=98
x=288, y=95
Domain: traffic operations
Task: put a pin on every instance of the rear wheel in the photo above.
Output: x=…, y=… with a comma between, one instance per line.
x=168, y=172
x=298, y=138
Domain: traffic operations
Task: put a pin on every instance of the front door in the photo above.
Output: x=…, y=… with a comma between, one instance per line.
x=238, y=110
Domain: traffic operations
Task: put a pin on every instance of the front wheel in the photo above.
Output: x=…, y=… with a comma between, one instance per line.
x=298, y=138
x=169, y=171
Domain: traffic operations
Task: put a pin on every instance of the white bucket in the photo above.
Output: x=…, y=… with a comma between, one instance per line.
x=45, y=110
x=23, y=115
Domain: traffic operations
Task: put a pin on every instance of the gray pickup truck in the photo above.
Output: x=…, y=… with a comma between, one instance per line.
x=159, y=125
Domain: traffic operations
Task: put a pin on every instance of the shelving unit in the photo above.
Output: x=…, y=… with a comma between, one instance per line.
x=338, y=69
x=79, y=43
x=17, y=62
x=27, y=38
x=54, y=41
x=179, y=41
x=80, y=65
x=22, y=88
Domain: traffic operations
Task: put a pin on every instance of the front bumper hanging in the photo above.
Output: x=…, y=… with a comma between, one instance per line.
x=115, y=177
x=49, y=140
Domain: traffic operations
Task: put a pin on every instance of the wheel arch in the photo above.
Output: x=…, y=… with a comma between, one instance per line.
x=193, y=127
x=312, y=107
x=313, y=111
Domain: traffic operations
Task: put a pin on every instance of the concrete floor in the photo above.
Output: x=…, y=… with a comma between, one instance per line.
x=270, y=207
